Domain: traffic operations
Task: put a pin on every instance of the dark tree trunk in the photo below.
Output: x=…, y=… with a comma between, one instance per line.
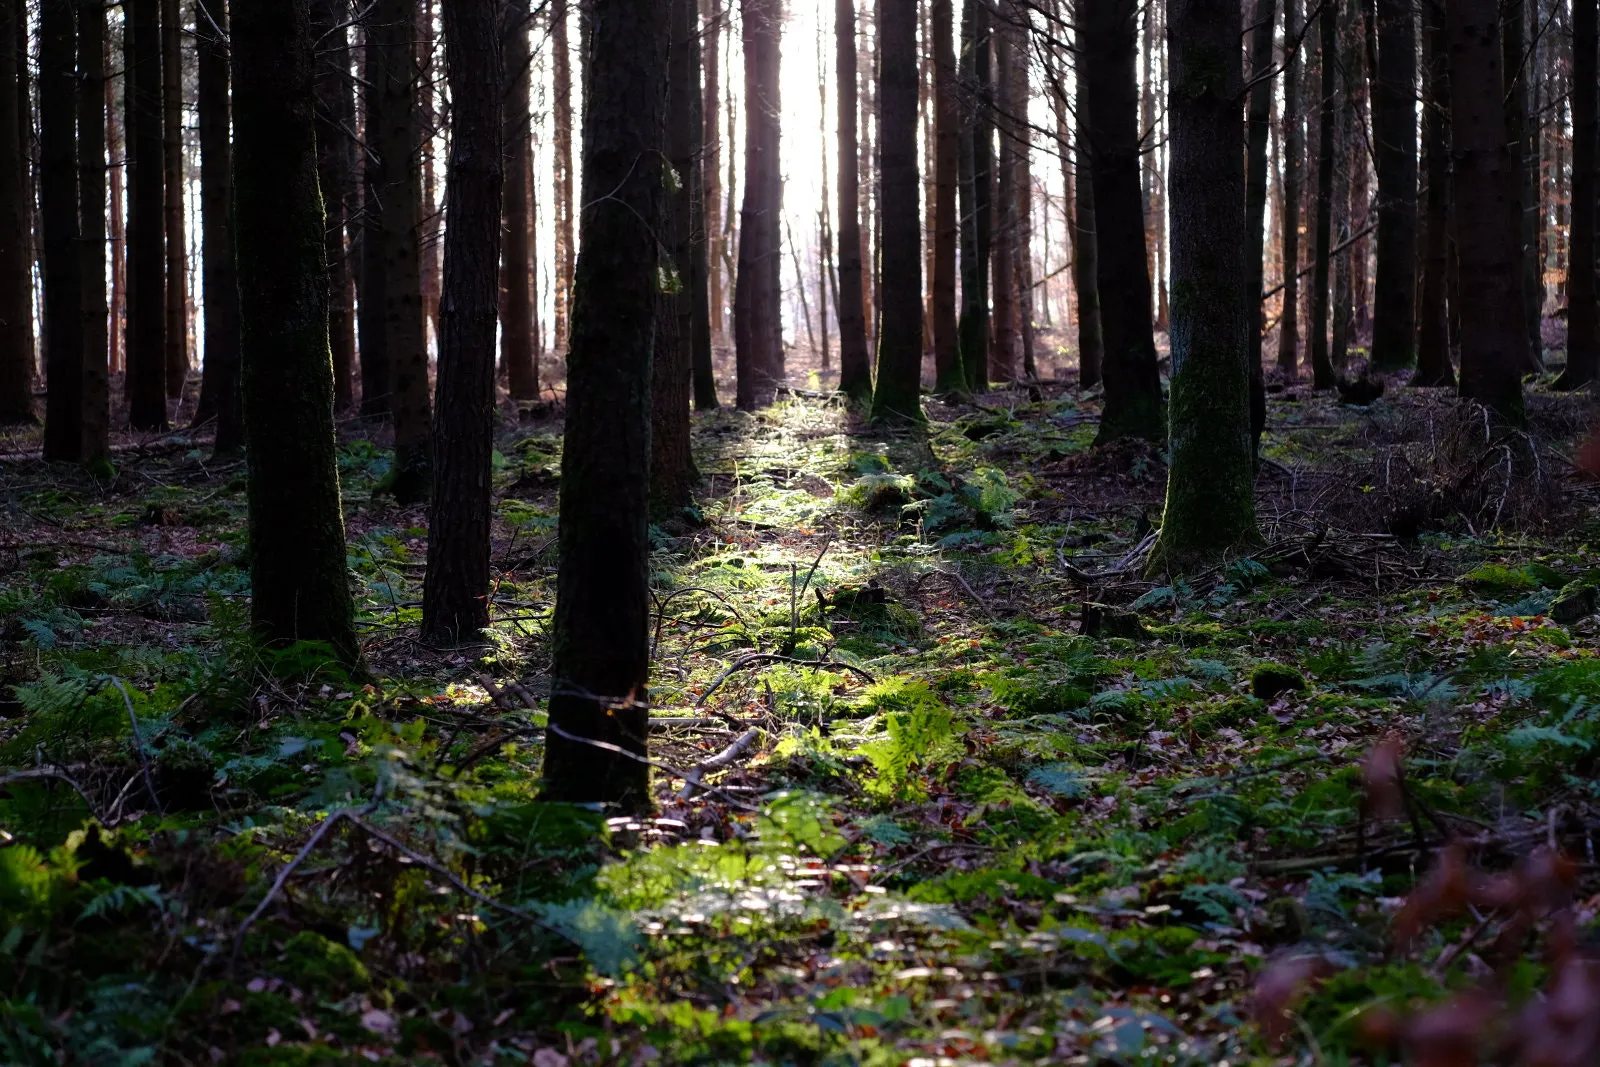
x=63, y=263
x=1022, y=176
x=700, y=379
x=705, y=384
x=16, y=273
x=947, y=160
x=1433, y=334
x=1210, y=509
x=1255, y=204
x=146, y=381
x=372, y=281
x=1494, y=338
x=455, y=594
x=757, y=321
x=1294, y=153
x=395, y=139
x=897, y=394
x=92, y=224
x=973, y=329
x=1394, y=132
x=219, y=382
x=561, y=89
x=336, y=173
x=1321, y=364
x=1002, y=268
x=1583, y=301
x=177, y=293
x=1518, y=69
x=516, y=319
x=1085, y=251
x=601, y=642
x=671, y=463
x=300, y=587
x=1132, y=380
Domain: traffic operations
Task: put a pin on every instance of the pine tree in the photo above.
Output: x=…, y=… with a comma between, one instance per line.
x=1583, y=295
x=1322, y=375
x=16, y=275
x=336, y=171
x=897, y=393
x=1433, y=339
x=58, y=199
x=176, y=352
x=855, y=372
x=96, y=393
x=949, y=377
x=1394, y=135
x=757, y=321
x=972, y=330
x=516, y=318
x=1255, y=210
x=1294, y=153
x=147, y=258
x=219, y=382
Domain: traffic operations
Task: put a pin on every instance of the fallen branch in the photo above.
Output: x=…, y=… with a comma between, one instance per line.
x=283, y=876
x=973, y=593
x=772, y=657
x=674, y=771
x=717, y=762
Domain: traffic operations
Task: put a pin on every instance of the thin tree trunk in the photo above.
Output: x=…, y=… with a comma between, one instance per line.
x=1517, y=70
x=147, y=322
x=757, y=321
x=96, y=408
x=715, y=11
x=694, y=307
x=976, y=152
x=1255, y=204
x=429, y=245
x=377, y=374
x=1023, y=176
x=335, y=171
x=219, y=382
x=1003, y=268
x=16, y=268
x=1133, y=406
x=1360, y=180
x=601, y=640
x=63, y=261
x=1321, y=362
x=1085, y=246
x=1394, y=128
x=177, y=306
x=116, y=148
x=825, y=206
x=947, y=161
x=298, y=577
x=455, y=592
x=561, y=72
x=516, y=319
x=1294, y=156
x=1583, y=300
x=1433, y=334
x=897, y=393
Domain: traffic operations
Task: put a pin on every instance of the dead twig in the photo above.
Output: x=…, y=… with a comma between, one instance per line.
x=717, y=762
x=138, y=743
x=674, y=771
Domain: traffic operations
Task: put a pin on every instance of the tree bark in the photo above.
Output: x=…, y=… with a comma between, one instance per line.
x=1255, y=205
x=1433, y=333
x=1003, y=267
x=757, y=321
x=1518, y=69
x=219, y=382
x=1328, y=61
x=1293, y=172
x=336, y=171
x=147, y=258
x=1394, y=132
x=1493, y=334
x=976, y=197
x=16, y=270
x=177, y=295
x=601, y=641
x=63, y=263
x=711, y=168
x=1210, y=507
x=377, y=375
x=1085, y=249
x=1132, y=381
x=96, y=406
x=947, y=161
x=116, y=148
x=897, y=394
x=561, y=88
x=516, y=319
x=300, y=587
x=455, y=593
x=1583, y=299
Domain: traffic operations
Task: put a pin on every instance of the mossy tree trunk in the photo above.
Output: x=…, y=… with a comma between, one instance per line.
x=58, y=199
x=455, y=593
x=1210, y=508
x=897, y=393
x=1394, y=135
x=299, y=585
x=601, y=642
x=973, y=327
x=219, y=382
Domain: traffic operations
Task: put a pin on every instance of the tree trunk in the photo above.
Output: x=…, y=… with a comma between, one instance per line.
x=1085, y=248
x=1321, y=364
x=1294, y=151
x=516, y=320
x=1583, y=300
x=116, y=148
x=1132, y=380
x=973, y=329
x=63, y=262
x=335, y=173
x=377, y=375
x=1022, y=175
x=147, y=258
x=1255, y=205
x=947, y=161
x=219, y=382
x=1518, y=69
x=1360, y=180
x=561, y=76
x=96, y=406
x=177, y=295
x=455, y=592
x=897, y=394
x=395, y=140
x=1493, y=335
x=1433, y=334
x=300, y=587
x=695, y=270
x=16, y=271
x=428, y=242
x=671, y=462
x=757, y=322
x=601, y=642
x=705, y=387
x=1394, y=134
x=1003, y=267
x=1210, y=508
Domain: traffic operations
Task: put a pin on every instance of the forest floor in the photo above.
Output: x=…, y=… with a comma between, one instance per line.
x=961, y=816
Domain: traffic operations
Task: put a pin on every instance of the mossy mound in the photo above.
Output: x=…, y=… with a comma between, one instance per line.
x=1269, y=681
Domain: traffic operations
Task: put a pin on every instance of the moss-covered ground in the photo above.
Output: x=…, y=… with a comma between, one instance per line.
x=980, y=820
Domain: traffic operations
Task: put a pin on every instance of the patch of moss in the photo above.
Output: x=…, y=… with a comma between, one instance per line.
x=315, y=964
x=1271, y=680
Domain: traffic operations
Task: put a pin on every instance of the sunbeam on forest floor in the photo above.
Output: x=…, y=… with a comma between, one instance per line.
x=941, y=775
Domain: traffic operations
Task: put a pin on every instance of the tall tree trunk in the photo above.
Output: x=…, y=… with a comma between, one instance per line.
x=396, y=141
x=973, y=329
x=63, y=262
x=947, y=161
x=377, y=374
x=1132, y=380
x=428, y=243
x=516, y=319
x=897, y=394
x=1394, y=134
x=1493, y=335
x=336, y=174
x=671, y=462
x=147, y=258
x=1255, y=204
x=1003, y=267
x=1294, y=152
x=96, y=409
x=1583, y=301
x=855, y=372
x=1085, y=246
x=699, y=373
x=1210, y=508
x=300, y=588
x=1517, y=70
x=561, y=75
x=601, y=642
x=455, y=592
x=1357, y=68
x=219, y=384
x=177, y=306
x=825, y=274
x=1321, y=363
x=1023, y=177
x=1433, y=334
x=16, y=268
x=757, y=321
x=116, y=148
x=705, y=386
